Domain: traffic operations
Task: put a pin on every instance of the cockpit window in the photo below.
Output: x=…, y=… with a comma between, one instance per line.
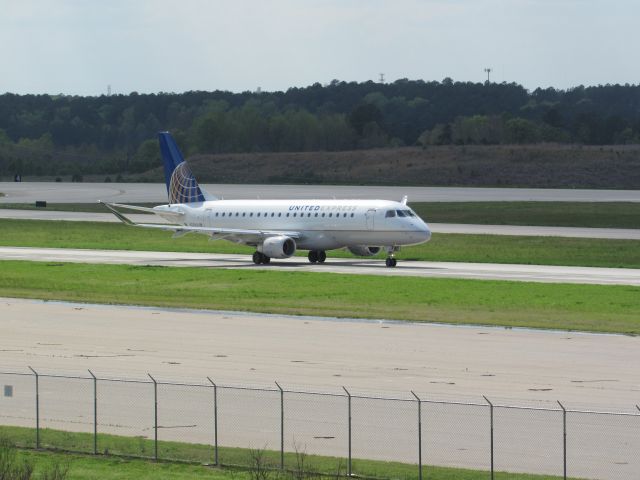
x=405, y=213
x=390, y=213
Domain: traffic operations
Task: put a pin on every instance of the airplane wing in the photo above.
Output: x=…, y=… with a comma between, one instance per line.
x=184, y=229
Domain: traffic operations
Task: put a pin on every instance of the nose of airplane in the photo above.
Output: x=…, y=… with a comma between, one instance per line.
x=426, y=232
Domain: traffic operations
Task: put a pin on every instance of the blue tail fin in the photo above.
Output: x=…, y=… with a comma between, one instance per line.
x=181, y=184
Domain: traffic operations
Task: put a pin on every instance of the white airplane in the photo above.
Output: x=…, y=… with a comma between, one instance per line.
x=277, y=228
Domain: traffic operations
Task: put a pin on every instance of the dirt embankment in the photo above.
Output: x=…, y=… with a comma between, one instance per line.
x=545, y=166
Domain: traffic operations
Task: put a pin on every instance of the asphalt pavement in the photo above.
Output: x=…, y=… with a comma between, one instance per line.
x=478, y=271
x=29, y=192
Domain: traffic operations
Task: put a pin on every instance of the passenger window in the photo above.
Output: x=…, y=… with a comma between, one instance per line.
x=331, y=214
x=308, y=214
x=272, y=214
x=390, y=213
x=279, y=214
x=216, y=214
x=258, y=214
x=323, y=214
x=344, y=215
x=352, y=215
x=316, y=214
x=287, y=214
x=244, y=214
x=251, y=214
x=295, y=214
x=237, y=214
x=223, y=214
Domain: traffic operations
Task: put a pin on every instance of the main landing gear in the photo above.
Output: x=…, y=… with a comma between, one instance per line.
x=260, y=258
x=318, y=256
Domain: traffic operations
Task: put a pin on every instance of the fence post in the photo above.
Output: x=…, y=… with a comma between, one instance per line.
x=491, y=419
x=419, y=435
x=564, y=441
x=155, y=415
x=281, y=426
x=349, y=428
x=95, y=412
x=215, y=421
x=37, y=408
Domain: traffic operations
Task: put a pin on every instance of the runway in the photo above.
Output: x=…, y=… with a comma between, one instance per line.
x=584, y=370
x=29, y=192
x=477, y=271
x=510, y=366
x=572, y=232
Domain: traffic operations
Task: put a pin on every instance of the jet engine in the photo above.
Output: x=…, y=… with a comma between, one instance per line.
x=364, y=251
x=279, y=247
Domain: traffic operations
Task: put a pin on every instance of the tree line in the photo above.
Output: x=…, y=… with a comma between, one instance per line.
x=60, y=135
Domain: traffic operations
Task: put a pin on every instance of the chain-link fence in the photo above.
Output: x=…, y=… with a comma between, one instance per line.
x=334, y=433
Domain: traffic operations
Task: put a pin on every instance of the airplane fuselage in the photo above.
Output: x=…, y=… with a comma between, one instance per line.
x=321, y=224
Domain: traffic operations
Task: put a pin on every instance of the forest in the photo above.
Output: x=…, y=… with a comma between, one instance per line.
x=71, y=135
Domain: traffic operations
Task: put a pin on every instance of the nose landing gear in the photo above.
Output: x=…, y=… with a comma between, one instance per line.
x=391, y=259
x=318, y=256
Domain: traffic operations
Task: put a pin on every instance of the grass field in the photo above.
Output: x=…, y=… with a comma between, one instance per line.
x=442, y=247
x=598, y=308
x=103, y=467
x=560, y=214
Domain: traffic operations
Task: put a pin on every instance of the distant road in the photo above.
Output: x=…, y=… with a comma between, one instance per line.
x=28, y=192
x=477, y=271
x=573, y=232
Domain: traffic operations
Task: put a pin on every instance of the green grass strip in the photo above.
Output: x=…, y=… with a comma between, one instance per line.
x=442, y=247
x=83, y=466
x=559, y=214
x=598, y=308
x=552, y=214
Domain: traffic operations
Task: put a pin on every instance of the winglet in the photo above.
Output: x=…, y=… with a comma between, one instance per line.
x=404, y=200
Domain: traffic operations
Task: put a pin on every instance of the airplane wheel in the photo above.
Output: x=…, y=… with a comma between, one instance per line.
x=391, y=262
x=313, y=256
x=257, y=258
x=265, y=259
x=322, y=256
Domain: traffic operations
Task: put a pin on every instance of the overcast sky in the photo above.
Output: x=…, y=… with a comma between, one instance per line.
x=78, y=47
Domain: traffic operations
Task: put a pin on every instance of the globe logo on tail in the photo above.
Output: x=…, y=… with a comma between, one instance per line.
x=183, y=187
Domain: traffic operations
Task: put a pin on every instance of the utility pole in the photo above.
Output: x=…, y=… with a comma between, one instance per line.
x=488, y=70
x=382, y=78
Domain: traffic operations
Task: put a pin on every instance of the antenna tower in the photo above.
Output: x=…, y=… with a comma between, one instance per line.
x=488, y=70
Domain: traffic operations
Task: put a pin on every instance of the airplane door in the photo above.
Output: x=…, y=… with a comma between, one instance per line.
x=370, y=216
